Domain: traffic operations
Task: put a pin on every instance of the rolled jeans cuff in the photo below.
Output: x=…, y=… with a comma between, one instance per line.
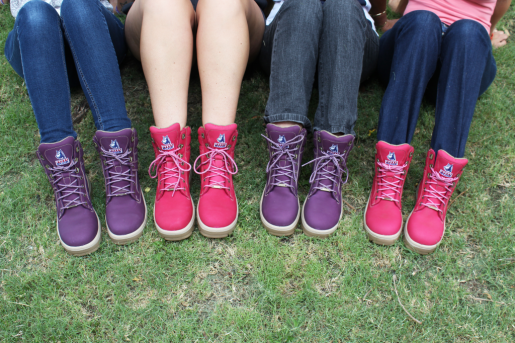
x=297, y=118
x=346, y=130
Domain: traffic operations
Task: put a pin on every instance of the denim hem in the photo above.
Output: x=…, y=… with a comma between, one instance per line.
x=297, y=118
x=336, y=129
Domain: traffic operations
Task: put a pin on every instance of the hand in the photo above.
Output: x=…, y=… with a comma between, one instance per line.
x=389, y=24
x=499, y=38
x=4, y=2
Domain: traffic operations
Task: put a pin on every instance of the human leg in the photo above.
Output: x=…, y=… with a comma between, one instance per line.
x=160, y=34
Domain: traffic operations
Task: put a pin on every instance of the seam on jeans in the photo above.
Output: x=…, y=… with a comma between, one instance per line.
x=12, y=46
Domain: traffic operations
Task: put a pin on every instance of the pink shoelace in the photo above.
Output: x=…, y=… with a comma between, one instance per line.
x=390, y=190
x=228, y=167
x=113, y=176
x=68, y=189
x=289, y=171
x=322, y=173
x=438, y=198
x=169, y=174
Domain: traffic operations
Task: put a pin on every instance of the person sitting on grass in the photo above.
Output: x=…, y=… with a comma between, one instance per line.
x=222, y=36
x=444, y=48
x=337, y=38
x=56, y=45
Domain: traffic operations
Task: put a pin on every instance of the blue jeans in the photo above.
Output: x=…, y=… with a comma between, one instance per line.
x=457, y=66
x=52, y=53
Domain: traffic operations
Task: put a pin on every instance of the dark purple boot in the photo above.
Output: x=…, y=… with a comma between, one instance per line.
x=126, y=211
x=280, y=207
x=323, y=209
x=77, y=222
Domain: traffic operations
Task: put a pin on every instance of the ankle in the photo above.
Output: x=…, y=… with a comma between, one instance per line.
x=284, y=124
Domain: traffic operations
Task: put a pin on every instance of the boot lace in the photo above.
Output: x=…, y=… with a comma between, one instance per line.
x=113, y=176
x=228, y=167
x=168, y=175
x=321, y=172
x=390, y=190
x=65, y=190
x=438, y=198
x=289, y=171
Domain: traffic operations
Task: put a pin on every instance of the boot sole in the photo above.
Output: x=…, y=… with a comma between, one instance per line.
x=377, y=238
x=131, y=237
x=217, y=232
x=177, y=235
x=417, y=247
x=83, y=249
x=312, y=232
x=278, y=230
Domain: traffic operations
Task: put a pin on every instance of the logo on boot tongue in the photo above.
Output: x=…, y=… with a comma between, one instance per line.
x=220, y=141
x=61, y=158
x=447, y=170
x=167, y=144
x=115, y=147
x=333, y=149
x=282, y=140
x=391, y=160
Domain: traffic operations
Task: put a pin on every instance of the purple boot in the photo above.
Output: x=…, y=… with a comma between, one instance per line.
x=280, y=207
x=78, y=226
x=126, y=211
x=323, y=209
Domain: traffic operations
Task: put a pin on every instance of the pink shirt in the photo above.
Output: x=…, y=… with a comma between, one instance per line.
x=450, y=11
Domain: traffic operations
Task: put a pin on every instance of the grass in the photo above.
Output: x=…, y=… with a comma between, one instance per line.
x=251, y=286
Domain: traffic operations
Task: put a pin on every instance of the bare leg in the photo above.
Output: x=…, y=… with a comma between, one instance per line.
x=160, y=34
x=228, y=37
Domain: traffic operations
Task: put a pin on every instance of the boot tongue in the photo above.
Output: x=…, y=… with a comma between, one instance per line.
x=332, y=145
x=448, y=166
x=58, y=154
x=281, y=135
x=220, y=137
x=165, y=140
x=393, y=155
x=116, y=143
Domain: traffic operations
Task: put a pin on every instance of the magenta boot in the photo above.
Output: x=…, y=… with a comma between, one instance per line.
x=126, y=211
x=78, y=226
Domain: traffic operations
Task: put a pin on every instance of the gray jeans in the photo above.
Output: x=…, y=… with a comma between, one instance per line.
x=334, y=37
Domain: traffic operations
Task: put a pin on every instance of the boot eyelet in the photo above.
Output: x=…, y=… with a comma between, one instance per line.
x=202, y=134
x=77, y=148
x=180, y=155
x=296, y=156
x=319, y=139
x=180, y=146
x=233, y=138
x=458, y=175
x=130, y=158
x=77, y=170
x=207, y=145
x=377, y=160
x=431, y=156
x=182, y=163
x=132, y=138
x=428, y=175
x=182, y=173
x=430, y=166
x=410, y=154
x=183, y=136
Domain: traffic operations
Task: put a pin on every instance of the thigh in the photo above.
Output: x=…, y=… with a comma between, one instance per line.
x=256, y=24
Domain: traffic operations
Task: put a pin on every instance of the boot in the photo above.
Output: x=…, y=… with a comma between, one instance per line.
x=323, y=206
x=383, y=214
x=174, y=213
x=280, y=206
x=126, y=211
x=425, y=226
x=78, y=225
x=217, y=209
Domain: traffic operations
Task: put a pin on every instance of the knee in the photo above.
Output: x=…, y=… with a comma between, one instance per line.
x=304, y=13
x=165, y=9
x=224, y=8
x=467, y=32
x=422, y=23
x=77, y=11
x=37, y=14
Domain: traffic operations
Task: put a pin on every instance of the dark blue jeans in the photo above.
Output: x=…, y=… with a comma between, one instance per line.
x=458, y=66
x=84, y=46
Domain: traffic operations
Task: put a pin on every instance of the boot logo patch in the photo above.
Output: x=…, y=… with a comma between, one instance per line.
x=333, y=149
x=282, y=140
x=115, y=147
x=167, y=144
x=220, y=141
x=61, y=158
x=391, y=160
x=447, y=170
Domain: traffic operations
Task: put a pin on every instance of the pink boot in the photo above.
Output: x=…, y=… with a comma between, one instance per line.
x=383, y=214
x=425, y=226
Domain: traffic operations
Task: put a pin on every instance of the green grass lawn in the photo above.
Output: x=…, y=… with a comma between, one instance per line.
x=251, y=286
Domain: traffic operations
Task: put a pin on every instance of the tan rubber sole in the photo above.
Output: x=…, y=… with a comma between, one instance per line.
x=131, y=237
x=217, y=232
x=417, y=247
x=84, y=249
x=312, y=232
x=178, y=235
x=278, y=230
x=377, y=238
